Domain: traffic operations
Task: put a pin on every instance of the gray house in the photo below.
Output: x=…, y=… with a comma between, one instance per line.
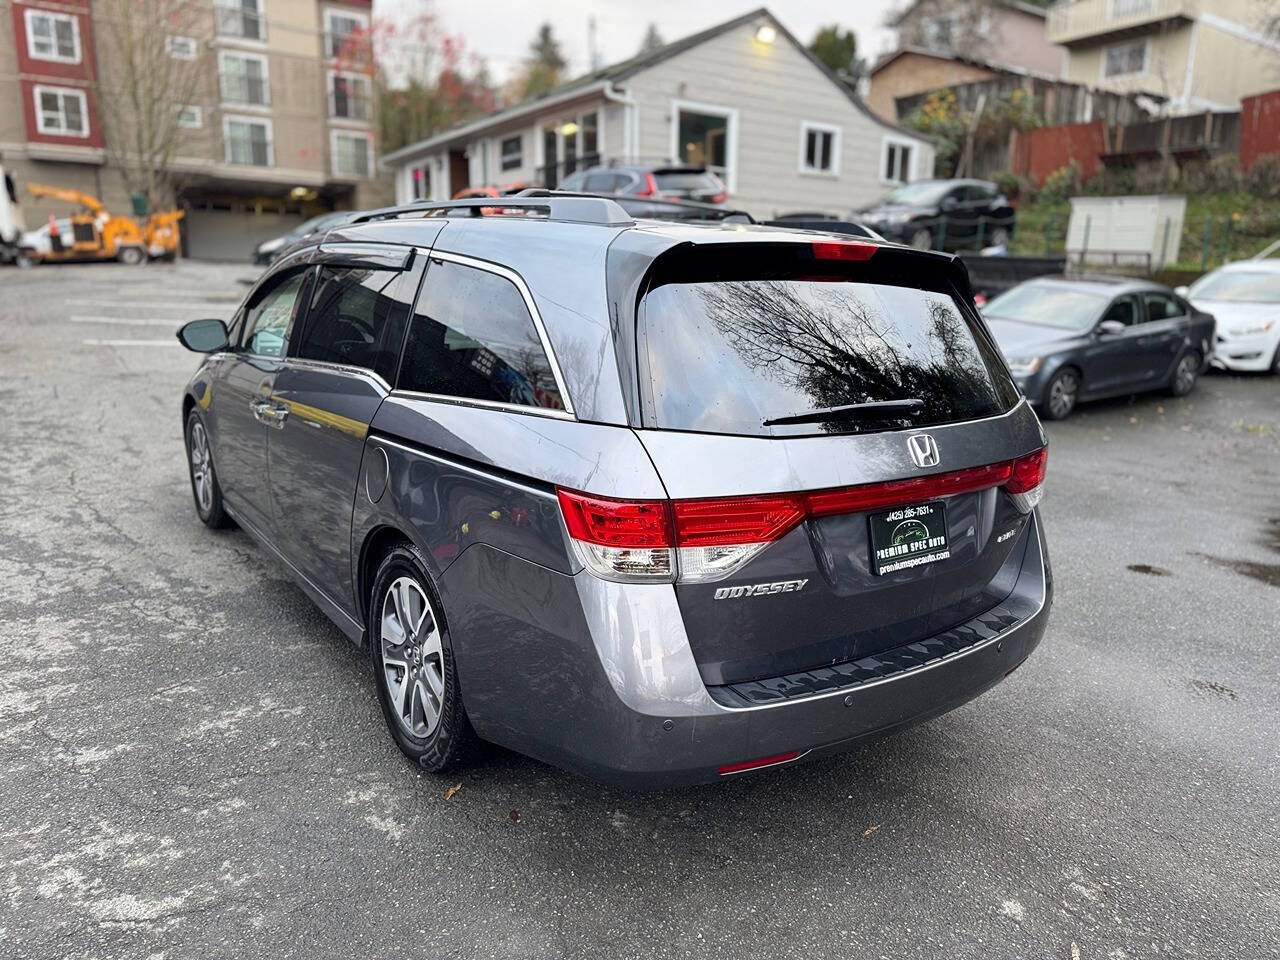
x=744, y=97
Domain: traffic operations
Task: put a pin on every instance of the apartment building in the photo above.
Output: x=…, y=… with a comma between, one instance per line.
x=1199, y=55
x=277, y=118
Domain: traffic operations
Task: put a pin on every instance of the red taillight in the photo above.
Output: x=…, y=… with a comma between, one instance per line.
x=719, y=198
x=757, y=764
x=733, y=520
x=1028, y=472
x=843, y=250
x=616, y=523
x=650, y=187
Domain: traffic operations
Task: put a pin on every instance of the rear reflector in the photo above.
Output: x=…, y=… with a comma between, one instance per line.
x=707, y=540
x=757, y=764
x=843, y=250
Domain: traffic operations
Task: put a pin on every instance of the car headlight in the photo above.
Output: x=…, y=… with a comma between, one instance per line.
x=1023, y=366
x=1254, y=328
x=267, y=246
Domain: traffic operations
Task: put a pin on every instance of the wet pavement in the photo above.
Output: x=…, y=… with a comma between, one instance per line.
x=192, y=761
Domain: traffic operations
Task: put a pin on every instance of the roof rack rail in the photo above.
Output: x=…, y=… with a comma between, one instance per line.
x=645, y=205
x=569, y=208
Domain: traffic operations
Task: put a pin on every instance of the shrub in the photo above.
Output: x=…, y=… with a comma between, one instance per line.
x=1220, y=174
x=1263, y=181
x=1109, y=182
x=1061, y=184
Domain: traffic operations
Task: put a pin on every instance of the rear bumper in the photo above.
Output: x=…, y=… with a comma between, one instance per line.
x=658, y=727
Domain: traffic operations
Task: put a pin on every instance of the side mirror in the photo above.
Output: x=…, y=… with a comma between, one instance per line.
x=203, y=336
x=1110, y=328
x=1182, y=291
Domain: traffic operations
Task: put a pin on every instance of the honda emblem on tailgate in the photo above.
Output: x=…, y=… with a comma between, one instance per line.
x=923, y=449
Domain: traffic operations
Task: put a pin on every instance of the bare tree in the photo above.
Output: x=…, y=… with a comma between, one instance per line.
x=152, y=56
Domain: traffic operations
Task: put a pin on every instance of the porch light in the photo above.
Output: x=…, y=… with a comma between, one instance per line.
x=766, y=33
x=569, y=129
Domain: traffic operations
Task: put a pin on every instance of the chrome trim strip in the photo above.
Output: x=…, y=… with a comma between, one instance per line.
x=485, y=404
x=465, y=468
x=914, y=671
x=528, y=302
x=326, y=366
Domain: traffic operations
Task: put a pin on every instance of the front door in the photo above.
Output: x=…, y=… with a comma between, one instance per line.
x=1116, y=362
x=241, y=397
x=342, y=366
x=1163, y=333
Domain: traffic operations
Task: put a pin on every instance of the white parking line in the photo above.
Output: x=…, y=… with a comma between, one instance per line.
x=133, y=343
x=130, y=321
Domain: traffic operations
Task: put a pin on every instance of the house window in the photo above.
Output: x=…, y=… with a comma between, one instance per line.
x=248, y=141
x=939, y=33
x=420, y=182
x=705, y=136
x=512, y=152
x=819, y=148
x=896, y=167
x=349, y=96
x=190, y=117
x=53, y=36
x=352, y=155
x=180, y=48
x=242, y=78
x=343, y=32
x=61, y=111
x=240, y=18
x=1125, y=58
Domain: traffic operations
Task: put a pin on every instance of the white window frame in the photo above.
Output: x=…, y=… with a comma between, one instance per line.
x=333, y=153
x=31, y=14
x=173, y=41
x=518, y=155
x=900, y=142
x=1103, y=76
x=812, y=126
x=426, y=168
x=730, y=136
x=223, y=56
x=330, y=94
x=235, y=6
x=197, y=113
x=228, y=118
x=1148, y=6
x=39, y=89
x=329, y=14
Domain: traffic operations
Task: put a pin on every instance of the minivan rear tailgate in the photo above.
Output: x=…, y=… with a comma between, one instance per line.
x=813, y=597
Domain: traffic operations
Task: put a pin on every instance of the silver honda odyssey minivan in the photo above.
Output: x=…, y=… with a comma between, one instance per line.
x=659, y=503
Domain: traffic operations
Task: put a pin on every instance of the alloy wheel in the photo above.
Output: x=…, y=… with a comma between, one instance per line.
x=1184, y=378
x=412, y=658
x=201, y=468
x=1062, y=394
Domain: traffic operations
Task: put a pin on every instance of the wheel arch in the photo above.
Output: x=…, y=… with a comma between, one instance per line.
x=378, y=542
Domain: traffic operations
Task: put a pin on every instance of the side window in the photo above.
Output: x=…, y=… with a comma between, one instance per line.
x=472, y=337
x=574, y=181
x=601, y=183
x=1125, y=310
x=1161, y=306
x=266, y=327
x=355, y=320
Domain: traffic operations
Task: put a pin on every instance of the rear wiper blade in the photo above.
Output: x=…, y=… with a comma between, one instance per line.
x=877, y=409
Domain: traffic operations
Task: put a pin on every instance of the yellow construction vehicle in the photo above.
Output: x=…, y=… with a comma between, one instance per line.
x=95, y=233
x=161, y=234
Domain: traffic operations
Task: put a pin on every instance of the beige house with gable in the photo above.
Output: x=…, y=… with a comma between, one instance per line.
x=743, y=97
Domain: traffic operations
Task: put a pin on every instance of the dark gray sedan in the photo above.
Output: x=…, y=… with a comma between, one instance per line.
x=1072, y=340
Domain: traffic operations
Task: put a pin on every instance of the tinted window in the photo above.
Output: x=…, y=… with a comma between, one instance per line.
x=602, y=182
x=1161, y=306
x=724, y=356
x=574, y=181
x=267, y=321
x=1124, y=310
x=355, y=320
x=685, y=181
x=472, y=337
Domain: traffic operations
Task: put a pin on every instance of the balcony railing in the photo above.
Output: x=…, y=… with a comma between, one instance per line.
x=237, y=88
x=1086, y=21
x=234, y=20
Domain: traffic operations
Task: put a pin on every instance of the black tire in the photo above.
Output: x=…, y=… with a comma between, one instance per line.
x=131, y=256
x=921, y=239
x=25, y=259
x=1061, y=394
x=1185, y=374
x=1275, y=361
x=208, y=499
x=450, y=742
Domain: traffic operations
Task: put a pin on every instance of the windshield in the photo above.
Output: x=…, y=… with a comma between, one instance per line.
x=725, y=356
x=1239, y=286
x=1048, y=305
x=922, y=193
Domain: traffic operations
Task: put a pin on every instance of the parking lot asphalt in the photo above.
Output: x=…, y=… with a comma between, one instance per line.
x=193, y=763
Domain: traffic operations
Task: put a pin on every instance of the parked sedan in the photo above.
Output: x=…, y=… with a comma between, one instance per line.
x=1071, y=340
x=943, y=215
x=1245, y=299
x=682, y=182
x=267, y=251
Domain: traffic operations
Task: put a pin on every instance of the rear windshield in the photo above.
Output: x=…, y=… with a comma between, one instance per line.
x=727, y=355
x=685, y=180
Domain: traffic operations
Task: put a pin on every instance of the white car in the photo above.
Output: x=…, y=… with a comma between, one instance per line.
x=1245, y=299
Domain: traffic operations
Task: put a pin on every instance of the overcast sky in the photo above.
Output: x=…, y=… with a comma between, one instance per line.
x=501, y=31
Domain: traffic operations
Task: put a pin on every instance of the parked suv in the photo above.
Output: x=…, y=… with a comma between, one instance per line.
x=669, y=182
x=657, y=502
x=943, y=215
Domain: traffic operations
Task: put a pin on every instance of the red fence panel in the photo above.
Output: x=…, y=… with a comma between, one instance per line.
x=1259, y=127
